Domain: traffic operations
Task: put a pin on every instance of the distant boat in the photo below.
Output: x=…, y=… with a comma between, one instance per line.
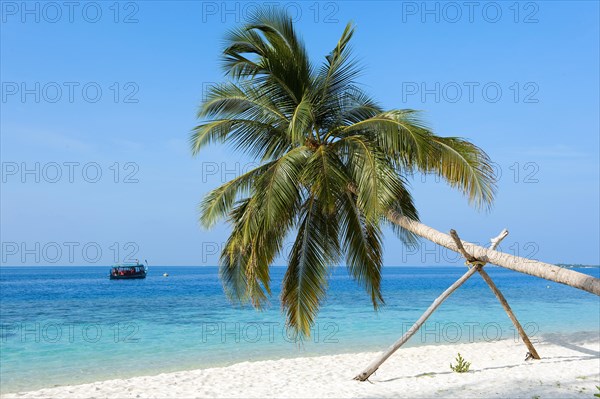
x=128, y=271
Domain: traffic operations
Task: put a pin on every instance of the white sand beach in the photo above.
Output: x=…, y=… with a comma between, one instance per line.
x=567, y=370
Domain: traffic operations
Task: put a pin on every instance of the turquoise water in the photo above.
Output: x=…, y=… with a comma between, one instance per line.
x=66, y=325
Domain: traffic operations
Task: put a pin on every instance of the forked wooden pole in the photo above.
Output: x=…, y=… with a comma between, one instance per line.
x=471, y=259
x=477, y=266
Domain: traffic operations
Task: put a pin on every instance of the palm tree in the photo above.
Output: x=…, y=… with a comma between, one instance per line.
x=333, y=170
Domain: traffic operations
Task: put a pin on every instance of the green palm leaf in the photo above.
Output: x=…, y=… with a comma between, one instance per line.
x=304, y=284
x=363, y=247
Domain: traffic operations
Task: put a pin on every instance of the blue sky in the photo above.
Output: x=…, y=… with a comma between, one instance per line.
x=112, y=89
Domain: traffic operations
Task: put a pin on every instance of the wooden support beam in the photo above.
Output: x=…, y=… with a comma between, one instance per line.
x=371, y=368
x=510, y=314
x=494, y=244
x=472, y=260
x=468, y=257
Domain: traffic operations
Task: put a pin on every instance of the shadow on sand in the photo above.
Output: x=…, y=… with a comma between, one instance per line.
x=553, y=339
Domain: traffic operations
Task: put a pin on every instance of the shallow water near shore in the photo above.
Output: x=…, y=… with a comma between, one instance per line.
x=69, y=325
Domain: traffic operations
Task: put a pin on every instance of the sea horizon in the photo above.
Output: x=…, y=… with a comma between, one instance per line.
x=63, y=325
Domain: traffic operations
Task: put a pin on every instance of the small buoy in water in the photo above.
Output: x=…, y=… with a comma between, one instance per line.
x=547, y=286
x=165, y=274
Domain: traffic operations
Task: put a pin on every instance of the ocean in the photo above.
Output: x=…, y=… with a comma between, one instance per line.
x=69, y=325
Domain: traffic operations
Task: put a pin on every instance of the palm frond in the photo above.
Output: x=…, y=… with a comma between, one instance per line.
x=378, y=186
x=326, y=176
x=362, y=243
x=301, y=122
x=279, y=54
x=340, y=69
x=245, y=117
x=465, y=167
x=240, y=101
x=244, y=264
x=277, y=191
x=217, y=204
x=305, y=281
x=350, y=106
x=336, y=76
x=234, y=259
x=399, y=134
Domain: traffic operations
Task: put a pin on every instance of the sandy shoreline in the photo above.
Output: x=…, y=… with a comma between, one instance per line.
x=567, y=369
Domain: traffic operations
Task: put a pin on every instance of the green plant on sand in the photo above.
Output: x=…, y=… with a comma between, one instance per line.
x=462, y=366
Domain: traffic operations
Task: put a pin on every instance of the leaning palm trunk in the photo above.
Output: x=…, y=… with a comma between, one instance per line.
x=516, y=263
